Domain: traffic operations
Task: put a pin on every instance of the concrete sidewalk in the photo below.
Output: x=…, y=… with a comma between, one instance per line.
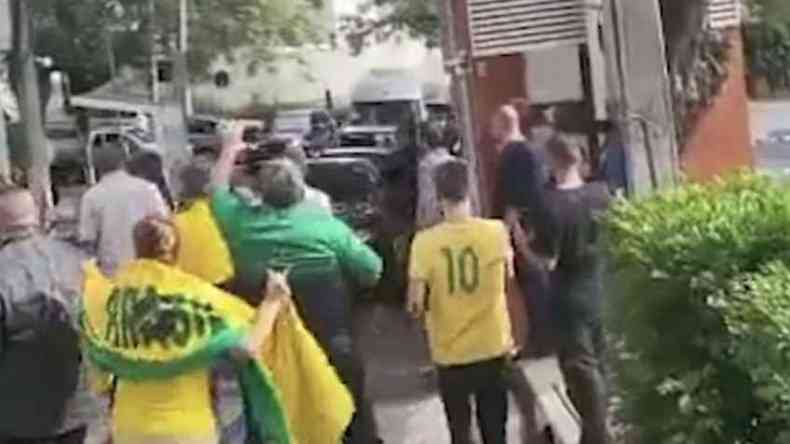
x=406, y=400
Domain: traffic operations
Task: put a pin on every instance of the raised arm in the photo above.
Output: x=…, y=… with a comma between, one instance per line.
x=232, y=145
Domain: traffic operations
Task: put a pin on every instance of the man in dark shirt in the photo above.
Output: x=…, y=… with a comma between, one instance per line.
x=576, y=284
x=522, y=179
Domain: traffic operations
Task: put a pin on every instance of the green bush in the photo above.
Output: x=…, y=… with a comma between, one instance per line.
x=700, y=312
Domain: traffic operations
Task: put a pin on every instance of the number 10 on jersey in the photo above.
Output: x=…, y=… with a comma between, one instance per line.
x=463, y=269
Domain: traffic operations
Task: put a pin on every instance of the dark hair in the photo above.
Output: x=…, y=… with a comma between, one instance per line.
x=194, y=180
x=146, y=165
x=109, y=158
x=564, y=151
x=156, y=238
x=452, y=180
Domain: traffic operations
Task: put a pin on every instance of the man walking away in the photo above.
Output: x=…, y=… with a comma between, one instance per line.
x=429, y=212
x=149, y=166
x=458, y=270
x=111, y=208
x=522, y=178
x=576, y=284
x=43, y=392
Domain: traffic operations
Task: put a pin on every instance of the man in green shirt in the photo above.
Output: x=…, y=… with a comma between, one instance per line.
x=325, y=260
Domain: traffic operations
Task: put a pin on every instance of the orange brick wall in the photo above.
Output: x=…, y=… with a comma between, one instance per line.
x=721, y=141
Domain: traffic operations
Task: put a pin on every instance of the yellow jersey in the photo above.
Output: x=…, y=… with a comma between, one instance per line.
x=202, y=251
x=464, y=267
x=179, y=407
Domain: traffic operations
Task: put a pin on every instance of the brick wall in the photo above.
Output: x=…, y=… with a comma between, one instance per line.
x=721, y=141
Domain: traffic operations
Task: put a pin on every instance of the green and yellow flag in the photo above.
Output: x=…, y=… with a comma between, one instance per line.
x=153, y=321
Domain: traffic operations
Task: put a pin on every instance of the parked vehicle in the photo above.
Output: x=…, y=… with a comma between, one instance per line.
x=353, y=185
x=65, y=140
x=294, y=124
x=314, y=129
x=369, y=136
x=204, y=132
x=388, y=97
x=78, y=167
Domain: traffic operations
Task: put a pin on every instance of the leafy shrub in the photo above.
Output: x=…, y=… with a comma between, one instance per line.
x=700, y=310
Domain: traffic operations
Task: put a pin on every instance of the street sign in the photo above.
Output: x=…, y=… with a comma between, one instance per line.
x=5, y=26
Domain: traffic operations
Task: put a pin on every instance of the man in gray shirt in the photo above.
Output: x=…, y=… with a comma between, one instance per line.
x=43, y=391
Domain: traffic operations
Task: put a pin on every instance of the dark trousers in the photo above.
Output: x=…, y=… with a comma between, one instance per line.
x=73, y=437
x=534, y=285
x=325, y=306
x=486, y=383
x=581, y=350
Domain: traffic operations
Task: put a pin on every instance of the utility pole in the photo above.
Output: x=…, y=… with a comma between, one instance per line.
x=456, y=62
x=179, y=108
x=633, y=29
x=5, y=89
x=26, y=79
x=183, y=47
x=152, y=52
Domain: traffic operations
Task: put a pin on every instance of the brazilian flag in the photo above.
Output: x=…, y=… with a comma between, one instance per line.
x=153, y=322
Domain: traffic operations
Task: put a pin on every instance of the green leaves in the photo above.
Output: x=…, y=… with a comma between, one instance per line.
x=701, y=298
x=253, y=31
x=379, y=20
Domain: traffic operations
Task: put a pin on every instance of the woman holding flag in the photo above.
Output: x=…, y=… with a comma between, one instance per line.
x=159, y=331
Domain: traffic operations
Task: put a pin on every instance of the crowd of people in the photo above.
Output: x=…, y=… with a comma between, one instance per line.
x=270, y=240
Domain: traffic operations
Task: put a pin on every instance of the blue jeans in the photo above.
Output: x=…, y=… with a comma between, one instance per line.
x=229, y=405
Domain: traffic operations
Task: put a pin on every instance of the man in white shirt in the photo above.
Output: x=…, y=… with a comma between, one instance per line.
x=429, y=212
x=111, y=208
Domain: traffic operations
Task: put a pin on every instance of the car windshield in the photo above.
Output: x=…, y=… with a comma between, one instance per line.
x=351, y=139
x=383, y=113
x=292, y=123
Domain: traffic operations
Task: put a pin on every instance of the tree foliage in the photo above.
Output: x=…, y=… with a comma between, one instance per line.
x=700, y=312
x=379, y=20
x=768, y=42
x=75, y=32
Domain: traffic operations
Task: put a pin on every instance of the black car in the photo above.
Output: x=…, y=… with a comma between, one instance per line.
x=353, y=185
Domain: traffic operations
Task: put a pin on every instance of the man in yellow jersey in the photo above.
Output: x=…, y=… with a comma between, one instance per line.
x=458, y=271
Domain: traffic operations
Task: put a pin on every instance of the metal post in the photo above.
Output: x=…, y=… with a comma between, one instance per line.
x=597, y=65
x=456, y=66
x=152, y=51
x=5, y=152
x=183, y=46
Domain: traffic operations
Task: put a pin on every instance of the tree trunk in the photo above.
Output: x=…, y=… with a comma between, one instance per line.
x=32, y=129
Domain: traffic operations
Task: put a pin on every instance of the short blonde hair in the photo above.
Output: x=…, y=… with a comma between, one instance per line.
x=280, y=183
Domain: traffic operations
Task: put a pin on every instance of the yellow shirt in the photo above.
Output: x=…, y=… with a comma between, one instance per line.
x=203, y=251
x=463, y=265
x=179, y=407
